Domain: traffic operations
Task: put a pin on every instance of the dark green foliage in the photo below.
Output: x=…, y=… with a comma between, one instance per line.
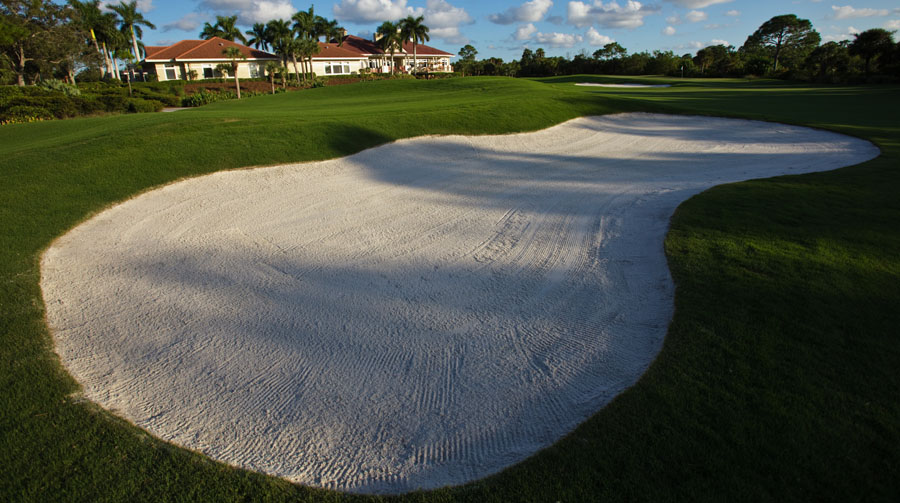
x=785, y=40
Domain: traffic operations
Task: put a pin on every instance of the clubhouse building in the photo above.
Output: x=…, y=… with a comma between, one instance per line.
x=356, y=55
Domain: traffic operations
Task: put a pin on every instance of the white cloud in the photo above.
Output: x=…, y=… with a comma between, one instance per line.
x=373, y=11
x=674, y=19
x=525, y=32
x=143, y=6
x=848, y=12
x=669, y=30
x=444, y=21
x=733, y=13
x=719, y=41
x=595, y=38
x=528, y=12
x=251, y=11
x=556, y=39
x=893, y=24
x=696, y=4
x=841, y=36
x=610, y=15
x=695, y=16
x=190, y=22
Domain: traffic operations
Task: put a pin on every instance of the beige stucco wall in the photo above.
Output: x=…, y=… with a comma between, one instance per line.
x=182, y=68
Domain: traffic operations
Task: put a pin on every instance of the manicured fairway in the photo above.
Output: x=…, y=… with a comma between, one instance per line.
x=777, y=380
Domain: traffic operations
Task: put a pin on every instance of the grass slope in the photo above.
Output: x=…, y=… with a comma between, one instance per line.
x=777, y=379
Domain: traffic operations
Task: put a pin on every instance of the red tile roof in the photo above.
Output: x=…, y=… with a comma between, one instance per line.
x=202, y=50
x=353, y=47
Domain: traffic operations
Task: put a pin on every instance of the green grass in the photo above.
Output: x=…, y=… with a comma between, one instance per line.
x=778, y=378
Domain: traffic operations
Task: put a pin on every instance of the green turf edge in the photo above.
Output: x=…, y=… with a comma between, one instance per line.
x=700, y=462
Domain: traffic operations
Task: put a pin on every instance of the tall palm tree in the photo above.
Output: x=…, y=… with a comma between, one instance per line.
x=413, y=28
x=390, y=39
x=234, y=54
x=259, y=36
x=130, y=20
x=225, y=27
x=304, y=28
x=280, y=36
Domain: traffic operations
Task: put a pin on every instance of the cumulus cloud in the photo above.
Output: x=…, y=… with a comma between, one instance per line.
x=696, y=4
x=444, y=21
x=557, y=39
x=528, y=12
x=848, y=12
x=733, y=13
x=893, y=24
x=525, y=32
x=189, y=22
x=695, y=16
x=371, y=11
x=595, y=38
x=669, y=30
x=251, y=11
x=719, y=41
x=610, y=15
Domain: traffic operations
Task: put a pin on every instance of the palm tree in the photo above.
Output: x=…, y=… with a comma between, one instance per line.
x=280, y=36
x=414, y=29
x=304, y=27
x=390, y=39
x=259, y=36
x=224, y=28
x=271, y=69
x=234, y=54
x=130, y=20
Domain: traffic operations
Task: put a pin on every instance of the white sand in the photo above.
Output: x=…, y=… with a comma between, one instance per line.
x=423, y=313
x=622, y=85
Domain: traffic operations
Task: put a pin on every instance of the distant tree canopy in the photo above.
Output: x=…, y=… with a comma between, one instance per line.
x=783, y=39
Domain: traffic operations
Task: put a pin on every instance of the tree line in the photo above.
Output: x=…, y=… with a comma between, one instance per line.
x=784, y=47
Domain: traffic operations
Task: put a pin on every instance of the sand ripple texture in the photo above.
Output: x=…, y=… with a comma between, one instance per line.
x=420, y=314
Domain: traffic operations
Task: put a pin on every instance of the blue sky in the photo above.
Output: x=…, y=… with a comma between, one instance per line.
x=565, y=28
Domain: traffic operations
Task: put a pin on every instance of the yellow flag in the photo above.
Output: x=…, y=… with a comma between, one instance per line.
x=94, y=37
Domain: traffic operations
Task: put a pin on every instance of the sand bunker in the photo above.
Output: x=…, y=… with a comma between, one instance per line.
x=622, y=85
x=419, y=314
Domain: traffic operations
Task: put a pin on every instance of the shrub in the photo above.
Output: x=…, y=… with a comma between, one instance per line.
x=23, y=113
x=59, y=86
x=138, y=105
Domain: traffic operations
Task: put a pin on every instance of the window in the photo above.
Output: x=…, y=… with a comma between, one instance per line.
x=170, y=72
x=208, y=72
x=254, y=70
x=337, y=69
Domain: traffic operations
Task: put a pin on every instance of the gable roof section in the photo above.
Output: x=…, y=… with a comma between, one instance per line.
x=202, y=50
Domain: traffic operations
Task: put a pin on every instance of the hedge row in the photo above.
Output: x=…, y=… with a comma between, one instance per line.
x=24, y=104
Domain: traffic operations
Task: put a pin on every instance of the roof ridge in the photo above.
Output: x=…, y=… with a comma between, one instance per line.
x=192, y=49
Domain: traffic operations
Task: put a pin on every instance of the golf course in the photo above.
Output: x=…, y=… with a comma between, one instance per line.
x=776, y=377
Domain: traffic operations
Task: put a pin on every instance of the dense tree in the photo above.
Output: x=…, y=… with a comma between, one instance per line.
x=130, y=21
x=872, y=44
x=828, y=61
x=784, y=37
x=414, y=30
x=29, y=32
x=466, y=59
x=611, y=50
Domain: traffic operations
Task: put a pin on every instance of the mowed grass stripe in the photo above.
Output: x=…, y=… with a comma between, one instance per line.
x=777, y=379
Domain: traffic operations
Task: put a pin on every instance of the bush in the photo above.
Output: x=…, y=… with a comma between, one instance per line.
x=23, y=113
x=138, y=105
x=59, y=86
